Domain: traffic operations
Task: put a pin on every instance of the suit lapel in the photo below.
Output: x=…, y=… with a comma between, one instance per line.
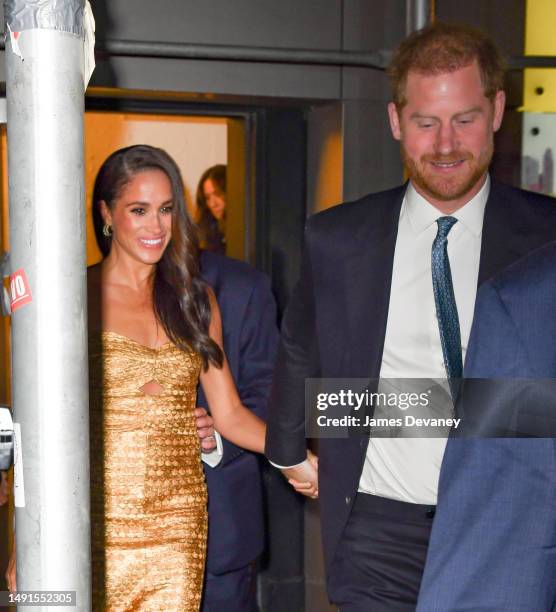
x=368, y=278
x=500, y=243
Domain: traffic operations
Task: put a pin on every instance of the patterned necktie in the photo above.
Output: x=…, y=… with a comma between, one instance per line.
x=446, y=309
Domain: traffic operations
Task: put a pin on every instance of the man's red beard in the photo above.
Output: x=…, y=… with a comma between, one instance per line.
x=447, y=188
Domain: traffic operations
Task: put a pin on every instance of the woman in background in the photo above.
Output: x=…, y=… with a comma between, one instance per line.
x=154, y=332
x=211, y=209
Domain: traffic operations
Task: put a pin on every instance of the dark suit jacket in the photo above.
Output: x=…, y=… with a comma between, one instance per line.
x=250, y=333
x=335, y=323
x=493, y=543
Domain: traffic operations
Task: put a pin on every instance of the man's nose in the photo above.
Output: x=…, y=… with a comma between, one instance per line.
x=446, y=139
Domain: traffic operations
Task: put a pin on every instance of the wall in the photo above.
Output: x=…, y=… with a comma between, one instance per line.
x=539, y=101
x=311, y=24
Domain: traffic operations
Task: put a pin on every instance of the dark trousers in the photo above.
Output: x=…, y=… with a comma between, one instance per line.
x=231, y=592
x=381, y=556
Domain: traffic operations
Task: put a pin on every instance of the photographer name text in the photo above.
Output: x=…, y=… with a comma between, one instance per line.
x=405, y=421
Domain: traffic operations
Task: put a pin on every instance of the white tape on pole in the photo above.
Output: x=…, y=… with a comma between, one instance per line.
x=19, y=486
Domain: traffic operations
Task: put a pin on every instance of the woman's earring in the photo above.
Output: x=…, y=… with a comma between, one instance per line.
x=107, y=230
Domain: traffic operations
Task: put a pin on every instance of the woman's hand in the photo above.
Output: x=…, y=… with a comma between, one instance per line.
x=304, y=478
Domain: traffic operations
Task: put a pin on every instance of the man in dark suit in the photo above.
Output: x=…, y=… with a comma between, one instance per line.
x=493, y=544
x=387, y=290
x=235, y=508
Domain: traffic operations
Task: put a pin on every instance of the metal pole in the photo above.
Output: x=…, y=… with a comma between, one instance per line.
x=418, y=14
x=137, y=48
x=45, y=92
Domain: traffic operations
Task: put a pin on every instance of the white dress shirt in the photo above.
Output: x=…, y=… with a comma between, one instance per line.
x=407, y=469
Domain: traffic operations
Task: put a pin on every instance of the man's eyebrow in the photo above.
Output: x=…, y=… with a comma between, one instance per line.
x=475, y=109
x=417, y=115
x=470, y=111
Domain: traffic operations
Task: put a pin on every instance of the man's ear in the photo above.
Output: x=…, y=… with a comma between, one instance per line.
x=499, y=104
x=394, y=121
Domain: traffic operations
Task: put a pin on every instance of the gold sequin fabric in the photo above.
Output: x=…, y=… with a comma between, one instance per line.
x=148, y=493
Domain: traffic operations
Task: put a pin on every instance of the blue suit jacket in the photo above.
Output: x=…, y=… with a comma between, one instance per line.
x=335, y=322
x=493, y=544
x=235, y=507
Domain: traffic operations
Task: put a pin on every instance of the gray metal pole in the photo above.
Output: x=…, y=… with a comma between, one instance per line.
x=45, y=92
x=378, y=59
x=418, y=14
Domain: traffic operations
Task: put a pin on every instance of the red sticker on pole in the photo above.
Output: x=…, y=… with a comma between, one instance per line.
x=20, y=293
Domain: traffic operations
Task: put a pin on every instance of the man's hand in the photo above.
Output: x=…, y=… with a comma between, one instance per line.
x=304, y=478
x=205, y=429
x=10, y=572
x=4, y=490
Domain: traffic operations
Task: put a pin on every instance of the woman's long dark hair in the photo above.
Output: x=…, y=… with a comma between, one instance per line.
x=211, y=234
x=180, y=295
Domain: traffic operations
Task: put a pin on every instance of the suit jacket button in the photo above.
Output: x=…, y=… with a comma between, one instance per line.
x=431, y=512
x=348, y=499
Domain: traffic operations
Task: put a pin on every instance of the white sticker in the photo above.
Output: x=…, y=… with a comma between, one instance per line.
x=14, y=39
x=19, y=488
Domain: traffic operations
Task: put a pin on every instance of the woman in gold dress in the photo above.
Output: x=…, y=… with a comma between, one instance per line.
x=154, y=332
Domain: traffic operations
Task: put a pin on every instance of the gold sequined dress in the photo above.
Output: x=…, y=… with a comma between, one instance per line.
x=148, y=493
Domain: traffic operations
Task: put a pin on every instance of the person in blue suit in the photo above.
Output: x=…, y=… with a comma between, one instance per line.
x=493, y=542
x=235, y=508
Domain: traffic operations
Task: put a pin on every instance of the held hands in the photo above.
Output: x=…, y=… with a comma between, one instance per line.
x=205, y=429
x=304, y=477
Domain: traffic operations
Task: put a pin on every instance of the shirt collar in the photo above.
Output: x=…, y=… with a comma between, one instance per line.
x=422, y=214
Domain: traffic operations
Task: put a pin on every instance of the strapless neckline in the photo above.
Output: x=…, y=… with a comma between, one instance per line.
x=107, y=332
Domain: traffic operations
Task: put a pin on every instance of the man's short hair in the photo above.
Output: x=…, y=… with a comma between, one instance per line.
x=446, y=47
